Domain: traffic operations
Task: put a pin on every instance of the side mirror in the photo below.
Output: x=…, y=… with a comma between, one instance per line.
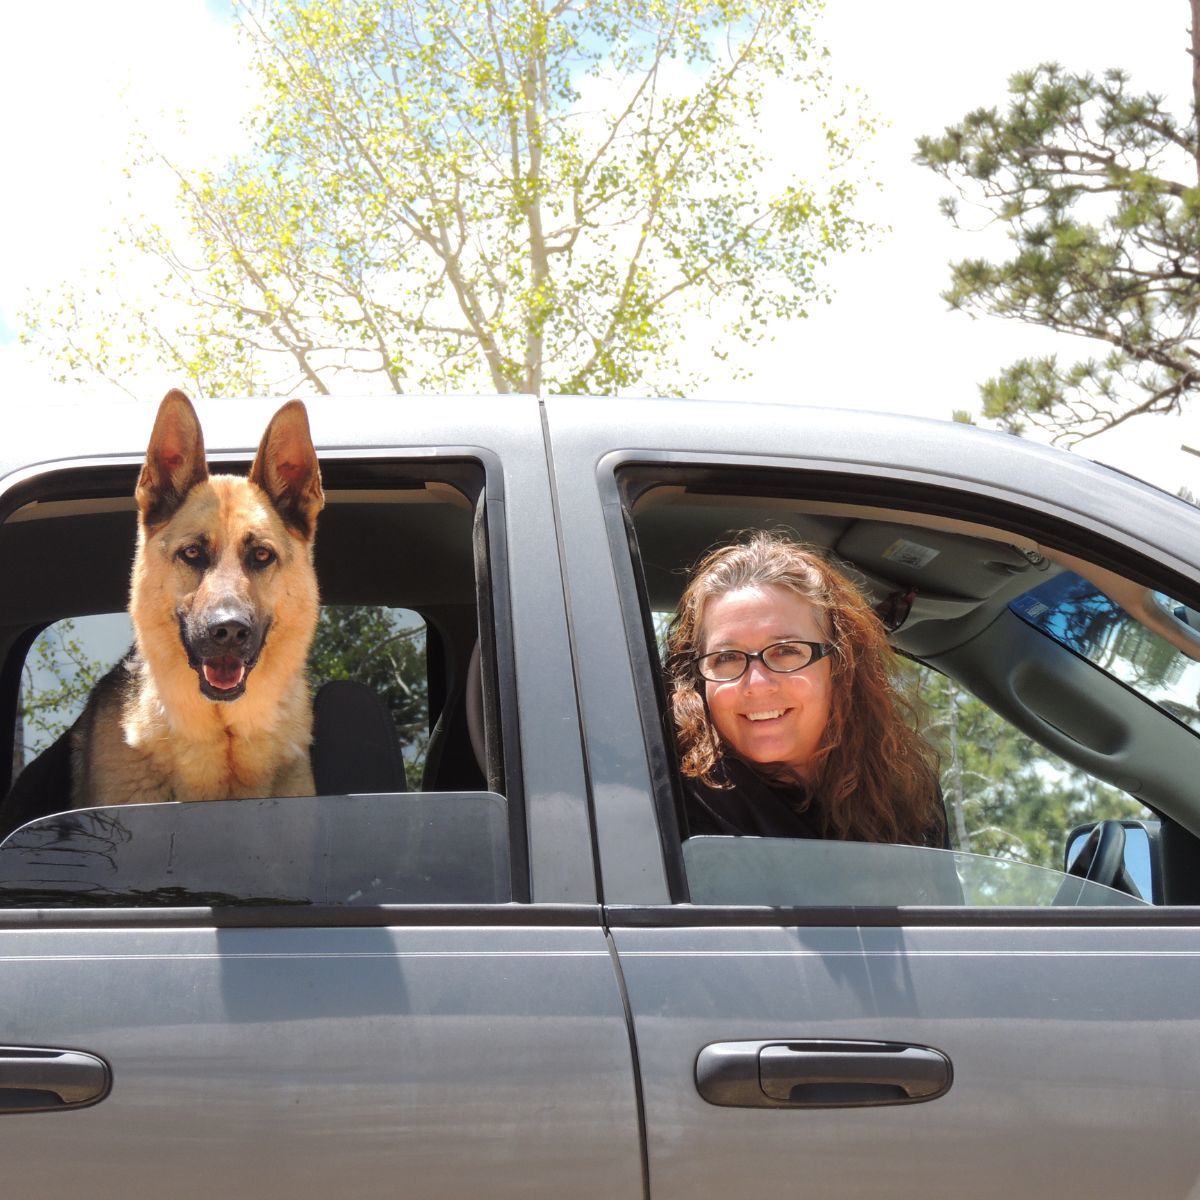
x=1142, y=873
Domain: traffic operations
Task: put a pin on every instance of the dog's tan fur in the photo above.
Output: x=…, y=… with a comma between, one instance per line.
x=148, y=732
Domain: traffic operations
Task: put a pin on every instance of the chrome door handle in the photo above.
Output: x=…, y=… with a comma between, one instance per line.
x=37, y=1080
x=817, y=1073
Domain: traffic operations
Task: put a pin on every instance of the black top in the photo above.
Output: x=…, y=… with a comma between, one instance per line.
x=753, y=806
x=750, y=806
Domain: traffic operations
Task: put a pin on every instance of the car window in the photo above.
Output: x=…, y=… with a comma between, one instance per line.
x=1010, y=800
x=62, y=666
x=413, y=804
x=382, y=648
x=1076, y=614
x=1006, y=796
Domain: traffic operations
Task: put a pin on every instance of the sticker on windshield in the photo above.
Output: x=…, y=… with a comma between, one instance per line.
x=910, y=554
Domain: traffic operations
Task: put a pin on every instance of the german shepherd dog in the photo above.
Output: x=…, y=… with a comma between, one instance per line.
x=212, y=701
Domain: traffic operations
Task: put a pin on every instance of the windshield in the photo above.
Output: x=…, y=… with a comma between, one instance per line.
x=1074, y=613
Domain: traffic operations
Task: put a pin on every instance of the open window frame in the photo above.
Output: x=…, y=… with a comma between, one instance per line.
x=66, y=536
x=628, y=486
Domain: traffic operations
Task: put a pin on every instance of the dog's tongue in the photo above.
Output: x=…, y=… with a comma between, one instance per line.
x=224, y=673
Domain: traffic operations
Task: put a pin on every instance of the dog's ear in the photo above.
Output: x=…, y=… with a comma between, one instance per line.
x=286, y=468
x=174, y=460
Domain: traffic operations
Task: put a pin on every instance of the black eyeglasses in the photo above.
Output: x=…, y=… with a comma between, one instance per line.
x=724, y=666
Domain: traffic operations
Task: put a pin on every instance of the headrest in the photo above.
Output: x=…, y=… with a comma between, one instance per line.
x=355, y=747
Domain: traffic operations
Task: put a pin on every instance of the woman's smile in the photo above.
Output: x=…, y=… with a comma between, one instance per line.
x=773, y=715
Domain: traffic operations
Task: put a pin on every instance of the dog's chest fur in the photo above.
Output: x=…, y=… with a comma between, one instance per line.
x=139, y=752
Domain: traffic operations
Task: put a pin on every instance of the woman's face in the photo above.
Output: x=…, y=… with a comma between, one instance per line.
x=764, y=717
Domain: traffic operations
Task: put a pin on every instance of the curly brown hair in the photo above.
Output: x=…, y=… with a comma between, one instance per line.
x=874, y=779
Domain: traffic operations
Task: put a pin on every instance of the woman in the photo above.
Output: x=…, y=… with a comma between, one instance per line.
x=788, y=717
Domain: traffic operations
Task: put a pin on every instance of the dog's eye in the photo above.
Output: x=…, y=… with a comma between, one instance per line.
x=262, y=556
x=193, y=554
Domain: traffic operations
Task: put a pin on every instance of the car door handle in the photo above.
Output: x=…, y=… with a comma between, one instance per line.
x=817, y=1073
x=37, y=1080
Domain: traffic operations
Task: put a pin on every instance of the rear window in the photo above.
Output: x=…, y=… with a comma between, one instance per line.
x=381, y=647
x=410, y=800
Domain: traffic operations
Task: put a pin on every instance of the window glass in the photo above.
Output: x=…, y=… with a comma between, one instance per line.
x=1077, y=615
x=794, y=872
x=64, y=663
x=1006, y=796
x=384, y=648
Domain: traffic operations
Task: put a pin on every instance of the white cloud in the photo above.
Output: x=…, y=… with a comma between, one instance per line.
x=78, y=78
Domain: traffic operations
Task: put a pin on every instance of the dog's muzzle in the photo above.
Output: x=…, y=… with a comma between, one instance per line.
x=222, y=652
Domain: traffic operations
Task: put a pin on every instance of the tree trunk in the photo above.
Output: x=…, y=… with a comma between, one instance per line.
x=537, y=103
x=957, y=799
x=18, y=761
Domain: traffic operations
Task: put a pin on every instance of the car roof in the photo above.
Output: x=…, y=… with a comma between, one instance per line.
x=55, y=431
x=802, y=436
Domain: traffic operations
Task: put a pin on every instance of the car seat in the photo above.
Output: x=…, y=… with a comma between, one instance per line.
x=355, y=747
x=456, y=758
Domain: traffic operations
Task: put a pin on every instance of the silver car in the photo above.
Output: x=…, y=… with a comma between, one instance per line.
x=505, y=970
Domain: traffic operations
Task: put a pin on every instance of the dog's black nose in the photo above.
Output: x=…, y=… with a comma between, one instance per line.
x=229, y=633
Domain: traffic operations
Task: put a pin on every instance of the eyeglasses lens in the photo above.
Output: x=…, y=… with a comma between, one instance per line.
x=787, y=656
x=782, y=657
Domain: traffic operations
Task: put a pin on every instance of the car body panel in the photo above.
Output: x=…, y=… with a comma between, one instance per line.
x=529, y=1050
x=445, y=1061
x=484, y=1054
x=1062, y=1037
x=1075, y=1059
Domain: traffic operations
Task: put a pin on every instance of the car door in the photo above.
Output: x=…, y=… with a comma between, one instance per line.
x=345, y=1037
x=838, y=1046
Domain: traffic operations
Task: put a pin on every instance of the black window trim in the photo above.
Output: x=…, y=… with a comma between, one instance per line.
x=285, y=916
